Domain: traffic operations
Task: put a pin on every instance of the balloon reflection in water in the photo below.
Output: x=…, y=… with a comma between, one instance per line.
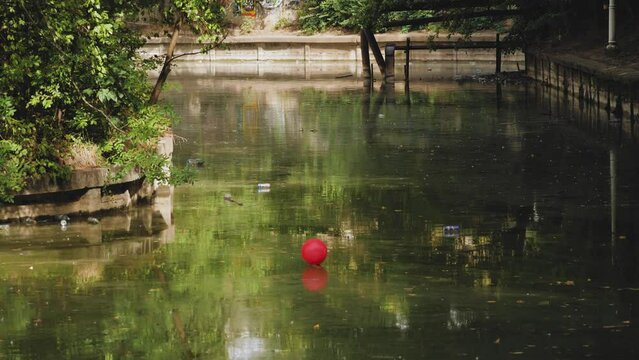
x=314, y=278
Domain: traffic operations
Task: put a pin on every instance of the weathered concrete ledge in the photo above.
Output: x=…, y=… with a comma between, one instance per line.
x=79, y=179
x=86, y=191
x=318, y=48
x=613, y=88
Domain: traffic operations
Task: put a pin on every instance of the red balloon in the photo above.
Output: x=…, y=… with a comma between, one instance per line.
x=314, y=251
x=314, y=278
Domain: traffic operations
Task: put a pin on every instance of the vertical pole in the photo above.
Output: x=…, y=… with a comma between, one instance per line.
x=497, y=56
x=366, y=60
x=581, y=87
x=618, y=112
x=608, y=102
x=389, y=73
x=612, y=42
x=632, y=108
x=565, y=83
x=572, y=81
x=377, y=53
x=406, y=68
x=613, y=203
x=598, y=101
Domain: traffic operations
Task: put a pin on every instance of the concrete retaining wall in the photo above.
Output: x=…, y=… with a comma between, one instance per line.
x=317, y=48
x=611, y=88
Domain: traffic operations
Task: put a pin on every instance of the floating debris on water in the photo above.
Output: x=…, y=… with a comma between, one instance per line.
x=229, y=198
x=513, y=77
x=348, y=235
x=195, y=162
x=451, y=230
x=29, y=221
x=263, y=185
x=62, y=217
x=92, y=220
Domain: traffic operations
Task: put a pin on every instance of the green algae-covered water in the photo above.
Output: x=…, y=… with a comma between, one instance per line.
x=458, y=227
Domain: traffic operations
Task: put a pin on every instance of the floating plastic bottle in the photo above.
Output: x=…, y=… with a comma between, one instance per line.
x=451, y=230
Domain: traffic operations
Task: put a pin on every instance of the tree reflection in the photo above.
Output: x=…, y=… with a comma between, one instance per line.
x=475, y=229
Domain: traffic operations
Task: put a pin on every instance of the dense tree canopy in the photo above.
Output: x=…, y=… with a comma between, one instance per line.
x=531, y=21
x=70, y=75
x=71, y=78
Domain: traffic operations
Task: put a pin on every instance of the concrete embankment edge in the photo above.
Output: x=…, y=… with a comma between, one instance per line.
x=87, y=191
x=612, y=88
x=317, y=48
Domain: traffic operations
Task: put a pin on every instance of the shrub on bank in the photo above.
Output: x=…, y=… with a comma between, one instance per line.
x=70, y=74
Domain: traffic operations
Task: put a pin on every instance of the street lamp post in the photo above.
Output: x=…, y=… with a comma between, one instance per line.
x=612, y=42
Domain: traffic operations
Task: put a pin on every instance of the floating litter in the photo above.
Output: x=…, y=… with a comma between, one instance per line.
x=451, y=230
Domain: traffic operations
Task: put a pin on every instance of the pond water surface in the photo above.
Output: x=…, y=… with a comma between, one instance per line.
x=458, y=227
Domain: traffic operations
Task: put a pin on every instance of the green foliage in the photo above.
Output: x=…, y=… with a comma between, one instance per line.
x=537, y=19
x=12, y=168
x=69, y=71
x=284, y=23
x=409, y=15
x=321, y=15
x=205, y=18
x=247, y=26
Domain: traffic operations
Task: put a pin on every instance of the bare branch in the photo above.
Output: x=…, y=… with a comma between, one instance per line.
x=201, y=51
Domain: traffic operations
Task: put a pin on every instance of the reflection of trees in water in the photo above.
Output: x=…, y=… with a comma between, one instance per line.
x=59, y=299
x=236, y=282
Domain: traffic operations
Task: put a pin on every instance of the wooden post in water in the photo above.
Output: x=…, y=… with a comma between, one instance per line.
x=497, y=56
x=608, y=102
x=631, y=97
x=406, y=66
x=618, y=112
x=377, y=53
x=389, y=73
x=565, y=83
x=572, y=82
x=366, y=60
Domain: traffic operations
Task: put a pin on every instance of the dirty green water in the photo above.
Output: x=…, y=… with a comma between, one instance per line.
x=458, y=227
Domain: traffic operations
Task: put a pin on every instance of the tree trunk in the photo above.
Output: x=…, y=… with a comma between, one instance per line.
x=166, y=67
x=377, y=53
